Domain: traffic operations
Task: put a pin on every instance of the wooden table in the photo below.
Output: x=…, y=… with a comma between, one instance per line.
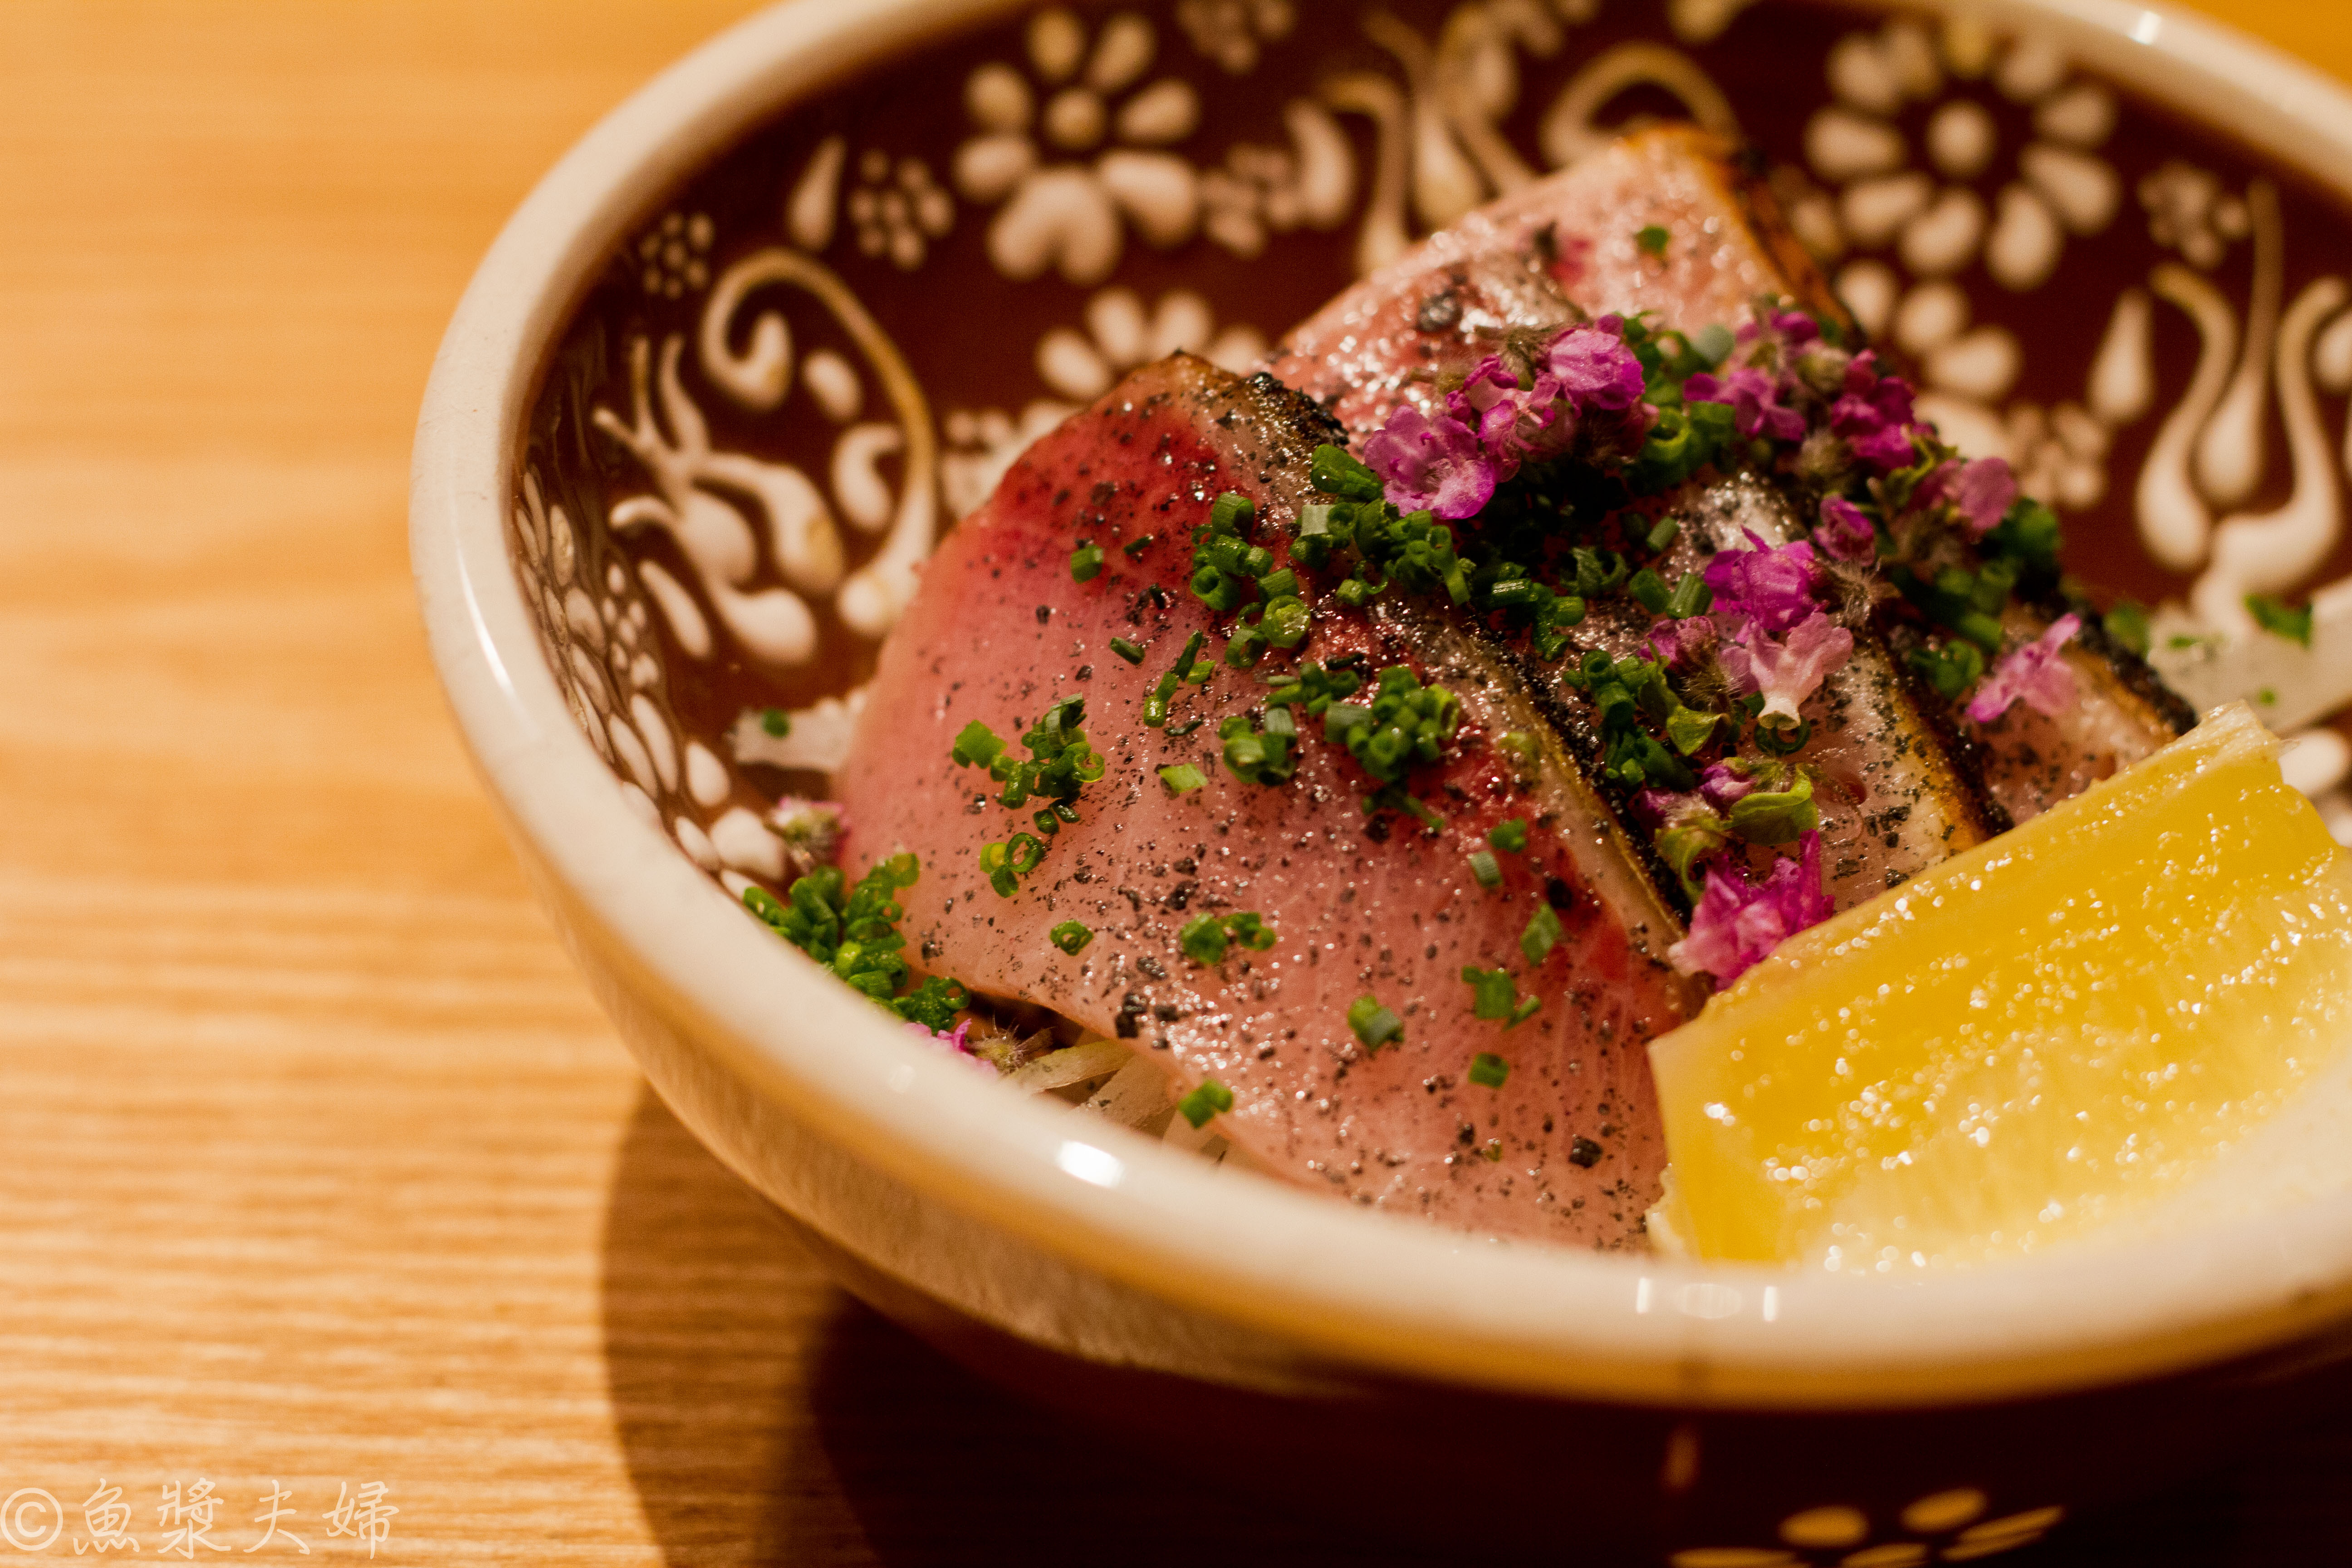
x=318, y=1168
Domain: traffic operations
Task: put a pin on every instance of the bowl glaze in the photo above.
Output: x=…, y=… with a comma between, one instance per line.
x=778, y=321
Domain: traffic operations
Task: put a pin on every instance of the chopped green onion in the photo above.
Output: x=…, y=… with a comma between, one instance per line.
x=1022, y=852
x=1192, y=645
x=2280, y=620
x=1542, y=934
x=1155, y=707
x=1691, y=597
x=1217, y=589
x=1246, y=646
x=1489, y=1070
x=1510, y=835
x=1046, y=824
x=776, y=722
x=1492, y=994
x=2127, y=625
x=1132, y=652
x=1524, y=1011
x=1211, y=1099
x=976, y=743
x=1286, y=622
x=1652, y=240
x=1203, y=940
x=1257, y=759
x=1335, y=473
x=1071, y=937
x=1184, y=778
x=1483, y=867
x=1086, y=563
x=1231, y=512
x=1276, y=585
x=1000, y=875
x=1249, y=929
x=1134, y=548
x=1649, y=590
x=1663, y=534
x=1374, y=1025
x=1512, y=592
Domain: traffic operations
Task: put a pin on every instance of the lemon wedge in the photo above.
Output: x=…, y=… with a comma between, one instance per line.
x=2037, y=1037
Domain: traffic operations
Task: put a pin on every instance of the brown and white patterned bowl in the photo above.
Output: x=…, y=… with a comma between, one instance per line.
x=779, y=320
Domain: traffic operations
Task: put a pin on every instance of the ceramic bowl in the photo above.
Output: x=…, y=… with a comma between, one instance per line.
x=777, y=322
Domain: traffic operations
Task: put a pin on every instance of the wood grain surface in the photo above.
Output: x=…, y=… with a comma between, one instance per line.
x=318, y=1168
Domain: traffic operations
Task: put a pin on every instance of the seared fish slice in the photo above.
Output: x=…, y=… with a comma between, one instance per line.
x=1568, y=1147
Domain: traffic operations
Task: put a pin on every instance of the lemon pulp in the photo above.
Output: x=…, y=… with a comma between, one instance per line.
x=2033, y=1038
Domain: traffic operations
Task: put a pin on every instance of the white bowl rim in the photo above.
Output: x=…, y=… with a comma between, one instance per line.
x=1386, y=1295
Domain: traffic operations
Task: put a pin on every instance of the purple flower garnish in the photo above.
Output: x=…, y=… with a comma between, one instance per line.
x=1755, y=398
x=1981, y=491
x=1771, y=585
x=1513, y=424
x=2037, y=673
x=1738, y=922
x=1593, y=367
x=1680, y=645
x=1875, y=415
x=1433, y=464
x=1791, y=329
x=1722, y=787
x=1788, y=671
x=1844, y=532
x=1659, y=806
x=956, y=1043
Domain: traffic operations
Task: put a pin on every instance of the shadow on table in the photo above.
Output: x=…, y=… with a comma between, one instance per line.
x=767, y=1418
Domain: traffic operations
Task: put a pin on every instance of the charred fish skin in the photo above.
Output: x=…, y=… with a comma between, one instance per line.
x=1894, y=798
x=1568, y=1146
x=2122, y=713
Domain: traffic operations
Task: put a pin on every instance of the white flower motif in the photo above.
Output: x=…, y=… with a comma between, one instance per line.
x=1065, y=204
x=1231, y=31
x=674, y=254
x=1266, y=190
x=897, y=212
x=1910, y=230
x=2189, y=210
x=1120, y=335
